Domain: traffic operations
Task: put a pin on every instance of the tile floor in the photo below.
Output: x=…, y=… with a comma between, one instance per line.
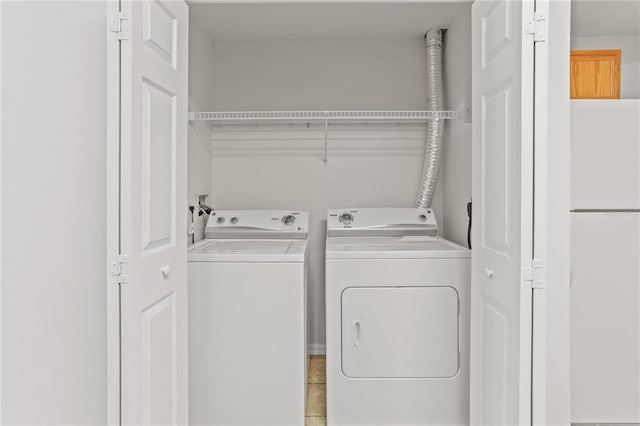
x=317, y=392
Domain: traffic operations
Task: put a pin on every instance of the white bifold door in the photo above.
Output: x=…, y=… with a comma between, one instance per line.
x=153, y=141
x=502, y=240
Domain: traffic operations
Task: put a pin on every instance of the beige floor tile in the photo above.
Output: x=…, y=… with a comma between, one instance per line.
x=317, y=400
x=315, y=421
x=317, y=369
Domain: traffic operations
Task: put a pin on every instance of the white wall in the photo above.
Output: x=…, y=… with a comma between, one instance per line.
x=630, y=45
x=200, y=99
x=319, y=74
x=199, y=175
x=53, y=209
x=200, y=65
x=457, y=137
x=274, y=169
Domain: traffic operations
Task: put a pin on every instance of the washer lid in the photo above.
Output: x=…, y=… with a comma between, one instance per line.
x=236, y=250
x=394, y=247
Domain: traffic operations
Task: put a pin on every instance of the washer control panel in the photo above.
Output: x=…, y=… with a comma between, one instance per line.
x=381, y=222
x=258, y=224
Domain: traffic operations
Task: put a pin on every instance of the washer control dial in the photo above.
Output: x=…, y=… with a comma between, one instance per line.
x=234, y=220
x=289, y=219
x=220, y=220
x=346, y=218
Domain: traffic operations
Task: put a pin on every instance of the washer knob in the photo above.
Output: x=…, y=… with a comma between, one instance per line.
x=220, y=220
x=346, y=218
x=288, y=219
x=422, y=218
x=234, y=220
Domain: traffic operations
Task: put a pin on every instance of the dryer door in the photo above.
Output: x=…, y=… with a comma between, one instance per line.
x=399, y=332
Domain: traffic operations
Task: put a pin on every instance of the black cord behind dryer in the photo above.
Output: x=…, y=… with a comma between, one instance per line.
x=469, y=206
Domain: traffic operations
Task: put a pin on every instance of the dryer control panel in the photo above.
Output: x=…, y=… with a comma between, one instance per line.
x=397, y=222
x=262, y=224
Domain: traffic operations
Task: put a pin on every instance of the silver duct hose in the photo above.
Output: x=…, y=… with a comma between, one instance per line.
x=435, y=127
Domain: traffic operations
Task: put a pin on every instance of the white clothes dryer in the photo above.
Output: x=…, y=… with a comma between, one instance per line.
x=397, y=316
x=247, y=319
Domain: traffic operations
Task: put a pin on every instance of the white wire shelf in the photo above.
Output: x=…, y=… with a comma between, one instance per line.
x=231, y=117
x=228, y=118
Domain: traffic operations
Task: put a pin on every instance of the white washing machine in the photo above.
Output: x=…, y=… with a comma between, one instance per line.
x=397, y=309
x=247, y=319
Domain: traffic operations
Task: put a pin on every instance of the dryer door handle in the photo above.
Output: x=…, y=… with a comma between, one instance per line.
x=357, y=332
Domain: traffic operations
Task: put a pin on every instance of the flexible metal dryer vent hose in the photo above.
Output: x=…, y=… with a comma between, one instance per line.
x=435, y=127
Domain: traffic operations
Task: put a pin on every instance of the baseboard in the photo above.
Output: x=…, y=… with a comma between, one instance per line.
x=317, y=349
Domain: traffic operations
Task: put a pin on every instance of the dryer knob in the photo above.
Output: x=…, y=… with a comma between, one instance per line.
x=346, y=218
x=288, y=219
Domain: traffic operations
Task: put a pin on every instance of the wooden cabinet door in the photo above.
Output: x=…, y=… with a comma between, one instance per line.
x=595, y=74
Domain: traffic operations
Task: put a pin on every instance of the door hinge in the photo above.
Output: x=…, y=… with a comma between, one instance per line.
x=120, y=26
x=117, y=269
x=538, y=26
x=533, y=274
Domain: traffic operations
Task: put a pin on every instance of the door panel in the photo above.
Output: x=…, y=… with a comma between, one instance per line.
x=160, y=31
x=153, y=197
x=496, y=183
x=495, y=356
x=158, y=166
x=159, y=363
x=496, y=31
x=502, y=68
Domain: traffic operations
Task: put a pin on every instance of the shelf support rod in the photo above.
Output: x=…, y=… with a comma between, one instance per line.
x=326, y=136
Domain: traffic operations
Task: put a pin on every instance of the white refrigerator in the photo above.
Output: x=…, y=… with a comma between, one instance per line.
x=605, y=269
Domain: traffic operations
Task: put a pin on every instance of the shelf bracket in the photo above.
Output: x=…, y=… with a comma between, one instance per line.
x=326, y=136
